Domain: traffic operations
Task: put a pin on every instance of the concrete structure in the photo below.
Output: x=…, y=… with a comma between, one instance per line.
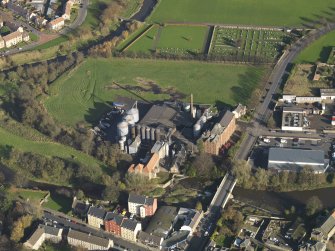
x=293, y=119
x=188, y=219
x=88, y=241
x=135, y=145
x=142, y=206
x=112, y=223
x=325, y=231
x=56, y=24
x=43, y=233
x=95, y=216
x=130, y=229
x=288, y=159
x=220, y=134
x=240, y=111
x=161, y=148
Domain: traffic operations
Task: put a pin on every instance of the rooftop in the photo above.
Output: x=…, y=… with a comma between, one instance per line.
x=12, y=35
x=289, y=158
x=102, y=242
x=150, y=239
x=135, y=198
x=114, y=217
x=56, y=21
x=97, y=212
x=129, y=224
x=328, y=225
x=161, y=222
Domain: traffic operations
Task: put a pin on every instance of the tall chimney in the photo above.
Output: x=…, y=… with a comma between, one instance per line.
x=192, y=113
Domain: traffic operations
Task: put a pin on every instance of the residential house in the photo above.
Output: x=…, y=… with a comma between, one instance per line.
x=150, y=240
x=130, y=229
x=25, y=36
x=42, y=233
x=2, y=42
x=188, y=219
x=95, y=216
x=220, y=134
x=56, y=24
x=12, y=39
x=142, y=205
x=88, y=241
x=67, y=10
x=112, y=223
x=325, y=231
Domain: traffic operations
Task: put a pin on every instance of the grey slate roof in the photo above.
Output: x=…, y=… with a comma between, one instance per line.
x=51, y=230
x=102, y=242
x=129, y=224
x=288, y=158
x=149, y=239
x=41, y=229
x=226, y=118
x=96, y=212
x=135, y=198
x=114, y=217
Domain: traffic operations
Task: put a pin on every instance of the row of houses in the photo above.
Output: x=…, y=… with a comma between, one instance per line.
x=138, y=205
x=73, y=237
x=13, y=38
x=58, y=23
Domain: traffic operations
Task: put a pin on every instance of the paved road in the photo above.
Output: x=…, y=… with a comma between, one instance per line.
x=65, y=221
x=207, y=224
x=82, y=13
x=263, y=112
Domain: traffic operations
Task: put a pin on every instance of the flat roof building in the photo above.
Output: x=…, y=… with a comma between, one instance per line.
x=288, y=159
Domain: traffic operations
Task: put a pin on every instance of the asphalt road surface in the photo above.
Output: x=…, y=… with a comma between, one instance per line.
x=263, y=111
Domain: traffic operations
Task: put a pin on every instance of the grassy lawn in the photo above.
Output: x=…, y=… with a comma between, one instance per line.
x=56, y=41
x=58, y=203
x=132, y=37
x=55, y=201
x=252, y=12
x=317, y=51
x=46, y=148
x=82, y=94
x=175, y=39
x=33, y=37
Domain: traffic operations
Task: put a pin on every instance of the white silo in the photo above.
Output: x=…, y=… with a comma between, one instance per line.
x=122, y=129
x=129, y=119
x=135, y=113
x=143, y=132
x=121, y=142
x=147, y=133
x=152, y=134
x=196, y=129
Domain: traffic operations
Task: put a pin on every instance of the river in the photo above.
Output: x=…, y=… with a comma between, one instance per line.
x=283, y=200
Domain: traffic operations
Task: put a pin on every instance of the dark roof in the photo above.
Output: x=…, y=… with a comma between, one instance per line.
x=149, y=201
x=328, y=225
x=114, y=217
x=80, y=206
x=102, y=242
x=129, y=224
x=135, y=198
x=161, y=223
x=149, y=238
x=226, y=118
x=51, y=230
x=97, y=212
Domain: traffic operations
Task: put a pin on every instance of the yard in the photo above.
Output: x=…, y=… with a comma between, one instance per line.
x=246, y=44
x=54, y=201
x=172, y=39
x=252, y=12
x=82, y=95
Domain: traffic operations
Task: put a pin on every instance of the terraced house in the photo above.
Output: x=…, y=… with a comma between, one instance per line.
x=95, y=216
x=88, y=241
x=113, y=223
x=130, y=229
x=141, y=205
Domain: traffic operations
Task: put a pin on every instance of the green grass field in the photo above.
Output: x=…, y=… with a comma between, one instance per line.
x=172, y=39
x=82, y=94
x=317, y=51
x=55, y=201
x=46, y=148
x=251, y=12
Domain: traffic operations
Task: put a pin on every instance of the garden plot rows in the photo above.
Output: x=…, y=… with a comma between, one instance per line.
x=247, y=43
